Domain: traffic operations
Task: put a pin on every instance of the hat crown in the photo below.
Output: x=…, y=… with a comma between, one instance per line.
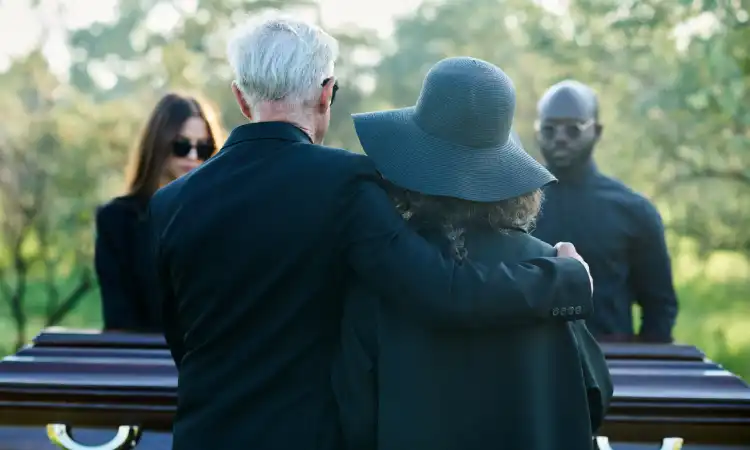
x=468, y=102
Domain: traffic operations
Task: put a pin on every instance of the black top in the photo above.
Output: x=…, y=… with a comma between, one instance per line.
x=125, y=269
x=403, y=386
x=620, y=235
x=253, y=250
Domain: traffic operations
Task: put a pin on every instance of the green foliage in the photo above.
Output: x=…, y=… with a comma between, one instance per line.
x=87, y=314
x=716, y=318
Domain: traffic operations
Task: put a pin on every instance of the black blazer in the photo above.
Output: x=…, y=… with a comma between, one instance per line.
x=124, y=267
x=403, y=386
x=253, y=249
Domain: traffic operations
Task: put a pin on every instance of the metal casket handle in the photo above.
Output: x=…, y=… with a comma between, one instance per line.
x=671, y=443
x=127, y=438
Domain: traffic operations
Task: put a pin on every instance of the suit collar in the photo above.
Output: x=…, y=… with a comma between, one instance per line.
x=267, y=130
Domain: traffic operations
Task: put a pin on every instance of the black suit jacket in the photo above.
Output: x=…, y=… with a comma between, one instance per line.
x=403, y=386
x=253, y=250
x=124, y=267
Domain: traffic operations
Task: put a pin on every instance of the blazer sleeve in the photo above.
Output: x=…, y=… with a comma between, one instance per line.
x=599, y=386
x=119, y=306
x=354, y=373
x=402, y=267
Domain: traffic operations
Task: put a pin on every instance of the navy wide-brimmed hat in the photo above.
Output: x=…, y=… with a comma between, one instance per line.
x=458, y=139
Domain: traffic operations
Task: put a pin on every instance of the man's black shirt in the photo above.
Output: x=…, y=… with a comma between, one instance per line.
x=621, y=236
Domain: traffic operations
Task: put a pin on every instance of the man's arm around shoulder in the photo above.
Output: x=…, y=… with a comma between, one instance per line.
x=401, y=266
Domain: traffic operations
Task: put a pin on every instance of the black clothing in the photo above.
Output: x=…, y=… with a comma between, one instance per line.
x=124, y=267
x=253, y=249
x=620, y=235
x=402, y=386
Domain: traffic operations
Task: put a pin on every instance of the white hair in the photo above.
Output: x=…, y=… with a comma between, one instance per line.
x=281, y=60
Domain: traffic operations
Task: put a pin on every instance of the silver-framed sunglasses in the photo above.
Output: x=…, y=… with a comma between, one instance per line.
x=549, y=131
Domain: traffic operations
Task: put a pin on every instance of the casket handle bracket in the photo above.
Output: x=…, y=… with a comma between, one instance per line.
x=127, y=438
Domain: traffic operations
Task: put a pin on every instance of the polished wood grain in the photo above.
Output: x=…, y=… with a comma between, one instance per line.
x=111, y=379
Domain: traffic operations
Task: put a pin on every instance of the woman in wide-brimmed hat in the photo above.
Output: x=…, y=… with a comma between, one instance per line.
x=459, y=174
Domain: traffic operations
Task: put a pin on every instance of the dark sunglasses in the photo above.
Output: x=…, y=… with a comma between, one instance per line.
x=570, y=130
x=335, y=88
x=182, y=147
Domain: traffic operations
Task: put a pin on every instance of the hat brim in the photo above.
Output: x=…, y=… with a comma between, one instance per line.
x=413, y=159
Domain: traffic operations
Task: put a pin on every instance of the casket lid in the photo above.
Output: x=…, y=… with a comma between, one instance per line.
x=110, y=379
x=64, y=337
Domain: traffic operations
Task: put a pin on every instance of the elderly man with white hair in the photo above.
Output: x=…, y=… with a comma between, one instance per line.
x=254, y=248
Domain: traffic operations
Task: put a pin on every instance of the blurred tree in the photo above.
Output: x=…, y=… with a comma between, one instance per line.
x=157, y=46
x=43, y=213
x=673, y=80
x=701, y=122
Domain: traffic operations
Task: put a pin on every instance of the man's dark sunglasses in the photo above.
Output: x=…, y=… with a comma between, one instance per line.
x=335, y=88
x=571, y=130
x=182, y=147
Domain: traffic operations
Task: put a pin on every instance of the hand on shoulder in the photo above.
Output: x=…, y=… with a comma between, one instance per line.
x=568, y=250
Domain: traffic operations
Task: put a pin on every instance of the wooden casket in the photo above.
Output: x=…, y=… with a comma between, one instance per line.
x=117, y=391
x=114, y=390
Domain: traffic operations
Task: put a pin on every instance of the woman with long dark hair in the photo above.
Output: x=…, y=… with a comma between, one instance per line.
x=181, y=134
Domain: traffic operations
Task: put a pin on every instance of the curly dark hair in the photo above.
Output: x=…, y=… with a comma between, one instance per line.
x=454, y=216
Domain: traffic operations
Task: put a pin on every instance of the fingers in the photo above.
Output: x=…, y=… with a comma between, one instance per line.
x=566, y=249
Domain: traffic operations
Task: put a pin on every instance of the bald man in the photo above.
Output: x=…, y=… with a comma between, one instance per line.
x=617, y=231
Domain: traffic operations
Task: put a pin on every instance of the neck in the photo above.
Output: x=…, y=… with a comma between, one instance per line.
x=278, y=112
x=165, y=180
x=574, y=172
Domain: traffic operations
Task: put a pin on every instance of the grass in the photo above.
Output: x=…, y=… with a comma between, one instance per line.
x=715, y=317
x=714, y=295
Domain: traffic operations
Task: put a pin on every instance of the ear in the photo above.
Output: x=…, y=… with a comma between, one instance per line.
x=324, y=102
x=537, y=129
x=598, y=128
x=240, y=97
